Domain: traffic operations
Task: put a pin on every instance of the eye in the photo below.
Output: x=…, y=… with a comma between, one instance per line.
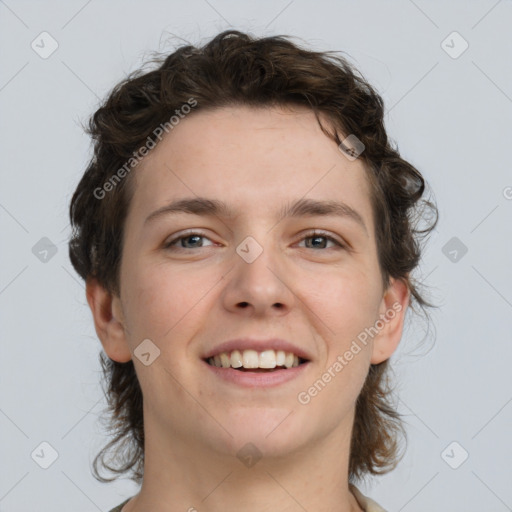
x=317, y=236
x=190, y=240
x=193, y=240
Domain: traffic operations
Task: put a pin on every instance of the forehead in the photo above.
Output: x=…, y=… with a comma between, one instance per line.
x=255, y=159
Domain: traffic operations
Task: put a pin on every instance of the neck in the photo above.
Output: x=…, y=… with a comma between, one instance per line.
x=183, y=476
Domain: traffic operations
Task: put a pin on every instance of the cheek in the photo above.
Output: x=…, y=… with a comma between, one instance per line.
x=333, y=394
x=345, y=303
x=164, y=300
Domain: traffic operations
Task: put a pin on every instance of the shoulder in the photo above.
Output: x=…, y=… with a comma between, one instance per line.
x=366, y=503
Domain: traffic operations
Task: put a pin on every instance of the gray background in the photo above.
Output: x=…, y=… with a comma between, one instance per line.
x=451, y=117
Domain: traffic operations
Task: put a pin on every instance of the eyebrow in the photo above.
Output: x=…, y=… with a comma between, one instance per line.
x=300, y=208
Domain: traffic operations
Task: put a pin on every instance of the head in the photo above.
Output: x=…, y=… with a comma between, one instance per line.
x=181, y=131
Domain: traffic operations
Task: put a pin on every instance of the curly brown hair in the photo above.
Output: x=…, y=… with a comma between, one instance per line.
x=238, y=69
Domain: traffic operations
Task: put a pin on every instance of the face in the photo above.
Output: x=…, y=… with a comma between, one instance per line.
x=255, y=280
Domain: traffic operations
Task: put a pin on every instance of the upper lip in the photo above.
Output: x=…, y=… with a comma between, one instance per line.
x=257, y=344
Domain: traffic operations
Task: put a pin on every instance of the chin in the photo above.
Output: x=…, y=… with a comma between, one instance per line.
x=269, y=433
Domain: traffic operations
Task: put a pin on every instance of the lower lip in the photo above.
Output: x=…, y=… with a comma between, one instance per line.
x=257, y=379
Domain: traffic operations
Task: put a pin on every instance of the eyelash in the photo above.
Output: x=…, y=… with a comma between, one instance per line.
x=313, y=234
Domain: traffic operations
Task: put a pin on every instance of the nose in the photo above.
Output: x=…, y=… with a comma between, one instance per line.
x=259, y=287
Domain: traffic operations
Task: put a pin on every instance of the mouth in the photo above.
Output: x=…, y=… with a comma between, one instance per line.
x=266, y=361
x=257, y=363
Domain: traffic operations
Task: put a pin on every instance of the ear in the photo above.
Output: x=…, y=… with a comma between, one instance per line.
x=392, y=314
x=108, y=321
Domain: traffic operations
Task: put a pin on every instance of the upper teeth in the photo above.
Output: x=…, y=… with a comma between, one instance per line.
x=254, y=359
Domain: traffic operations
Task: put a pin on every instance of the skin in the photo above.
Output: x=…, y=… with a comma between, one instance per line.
x=190, y=298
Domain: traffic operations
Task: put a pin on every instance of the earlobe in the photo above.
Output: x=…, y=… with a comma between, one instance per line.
x=108, y=321
x=392, y=315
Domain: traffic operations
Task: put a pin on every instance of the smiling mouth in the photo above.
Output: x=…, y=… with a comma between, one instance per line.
x=257, y=362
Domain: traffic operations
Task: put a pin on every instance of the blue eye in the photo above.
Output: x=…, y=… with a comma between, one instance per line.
x=186, y=238
x=194, y=238
x=318, y=235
